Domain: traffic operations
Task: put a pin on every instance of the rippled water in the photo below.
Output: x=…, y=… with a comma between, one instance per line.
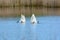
x=48, y=29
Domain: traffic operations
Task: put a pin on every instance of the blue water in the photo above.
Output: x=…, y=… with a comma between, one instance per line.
x=48, y=29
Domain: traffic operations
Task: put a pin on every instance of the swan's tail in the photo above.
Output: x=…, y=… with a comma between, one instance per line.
x=22, y=20
x=33, y=19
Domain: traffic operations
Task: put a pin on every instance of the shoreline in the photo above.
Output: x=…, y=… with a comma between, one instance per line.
x=14, y=12
x=6, y=12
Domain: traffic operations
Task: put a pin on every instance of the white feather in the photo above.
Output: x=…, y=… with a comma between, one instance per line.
x=33, y=19
x=22, y=19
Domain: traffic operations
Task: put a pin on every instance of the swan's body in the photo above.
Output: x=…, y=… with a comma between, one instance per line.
x=22, y=20
x=33, y=19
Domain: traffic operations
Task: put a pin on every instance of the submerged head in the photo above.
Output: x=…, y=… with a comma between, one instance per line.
x=22, y=22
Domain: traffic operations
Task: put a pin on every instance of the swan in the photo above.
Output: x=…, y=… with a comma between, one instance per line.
x=22, y=20
x=33, y=19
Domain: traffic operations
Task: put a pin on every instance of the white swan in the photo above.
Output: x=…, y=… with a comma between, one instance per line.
x=33, y=19
x=22, y=20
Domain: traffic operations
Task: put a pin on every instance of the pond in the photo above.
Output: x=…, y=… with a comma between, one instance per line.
x=48, y=29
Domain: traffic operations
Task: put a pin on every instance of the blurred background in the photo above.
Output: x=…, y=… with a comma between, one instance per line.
x=14, y=8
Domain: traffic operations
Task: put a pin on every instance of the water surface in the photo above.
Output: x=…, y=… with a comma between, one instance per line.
x=48, y=29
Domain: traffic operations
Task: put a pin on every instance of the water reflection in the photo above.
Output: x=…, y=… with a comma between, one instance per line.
x=21, y=35
x=3, y=36
x=33, y=31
